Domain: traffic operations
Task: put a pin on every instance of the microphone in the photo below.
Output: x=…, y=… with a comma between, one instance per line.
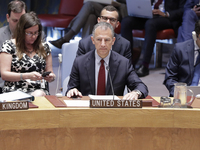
x=108, y=69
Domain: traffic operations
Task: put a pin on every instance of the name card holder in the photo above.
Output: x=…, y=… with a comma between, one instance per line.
x=116, y=103
x=15, y=105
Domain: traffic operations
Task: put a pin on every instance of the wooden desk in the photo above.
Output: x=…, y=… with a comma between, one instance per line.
x=50, y=128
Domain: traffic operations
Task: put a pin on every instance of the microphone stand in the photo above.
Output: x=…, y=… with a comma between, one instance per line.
x=107, y=68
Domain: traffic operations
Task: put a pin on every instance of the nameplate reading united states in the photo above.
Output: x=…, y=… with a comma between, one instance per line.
x=115, y=103
x=19, y=105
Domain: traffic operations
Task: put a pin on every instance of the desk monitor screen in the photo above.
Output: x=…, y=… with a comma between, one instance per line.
x=195, y=89
x=139, y=8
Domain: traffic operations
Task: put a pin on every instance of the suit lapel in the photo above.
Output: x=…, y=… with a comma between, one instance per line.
x=90, y=68
x=92, y=46
x=116, y=47
x=191, y=56
x=113, y=66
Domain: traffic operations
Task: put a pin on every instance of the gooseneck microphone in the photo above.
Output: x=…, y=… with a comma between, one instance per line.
x=107, y=68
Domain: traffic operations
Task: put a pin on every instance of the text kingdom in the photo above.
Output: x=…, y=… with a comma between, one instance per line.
x=14, y=105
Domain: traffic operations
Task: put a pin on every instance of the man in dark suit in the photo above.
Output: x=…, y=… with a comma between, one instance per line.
x=122, y=46
x=86, y=19
x=85, y=74
x=169, y=19
x=16, y=9
x=182, y=63
x=190, y=16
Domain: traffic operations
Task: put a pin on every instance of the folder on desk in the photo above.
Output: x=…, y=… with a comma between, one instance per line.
x=154, y=102
x=55, y=101
x=16, y=95
x=195, y=103
x=31, y=105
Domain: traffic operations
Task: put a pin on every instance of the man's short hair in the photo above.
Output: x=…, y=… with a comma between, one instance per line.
x=104, y=26
x=111, y=8
x=17, y=6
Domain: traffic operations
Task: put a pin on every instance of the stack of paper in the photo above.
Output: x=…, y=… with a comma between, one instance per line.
x=103, y=97
x=16, y=95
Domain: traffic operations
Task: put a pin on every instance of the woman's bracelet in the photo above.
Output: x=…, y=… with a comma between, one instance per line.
x=21, y=78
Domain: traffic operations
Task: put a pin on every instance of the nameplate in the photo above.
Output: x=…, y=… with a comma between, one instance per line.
x=115, y=103
x=18, y=105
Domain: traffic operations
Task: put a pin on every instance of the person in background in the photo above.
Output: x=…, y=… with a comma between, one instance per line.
x=16, y=8
x=184, y=63
x=110, y=15
x=171, y=18
x=190, y=16
x=90, y=72
x=86, y=19
x=24, y=58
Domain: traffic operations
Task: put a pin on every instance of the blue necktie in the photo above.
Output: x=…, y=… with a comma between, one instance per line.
x=195, y=80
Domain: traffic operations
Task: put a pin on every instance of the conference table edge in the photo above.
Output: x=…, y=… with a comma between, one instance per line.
x=146, y=117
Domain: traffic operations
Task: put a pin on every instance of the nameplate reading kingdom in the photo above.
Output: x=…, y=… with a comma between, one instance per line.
x=115, y=103
x=19, y=105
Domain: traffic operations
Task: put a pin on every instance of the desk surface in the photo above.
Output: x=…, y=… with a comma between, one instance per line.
x=53, y=128
x=47, y=116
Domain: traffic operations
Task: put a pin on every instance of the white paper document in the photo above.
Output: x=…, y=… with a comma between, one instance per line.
x=13, y=96
x=103, y=97
x=77, y=103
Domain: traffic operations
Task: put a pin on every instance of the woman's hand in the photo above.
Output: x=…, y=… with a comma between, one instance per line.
x=34, y=76
x=50, y=78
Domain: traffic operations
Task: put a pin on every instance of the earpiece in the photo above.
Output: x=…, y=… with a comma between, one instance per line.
x=194, y=35
x=60, y=58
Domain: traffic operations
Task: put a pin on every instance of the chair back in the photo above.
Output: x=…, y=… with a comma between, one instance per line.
x=70, y=7
x=68, y=55
x=65, y=83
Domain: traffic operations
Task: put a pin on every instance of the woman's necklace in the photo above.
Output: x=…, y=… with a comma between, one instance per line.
x=29, y=51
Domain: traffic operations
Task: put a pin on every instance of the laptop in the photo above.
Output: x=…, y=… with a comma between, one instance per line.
x=100, y=1
x=139, y=8
x=195, y=89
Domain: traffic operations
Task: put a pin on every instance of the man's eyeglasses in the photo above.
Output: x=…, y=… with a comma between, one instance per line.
x=112, y=20
x=31, y=34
